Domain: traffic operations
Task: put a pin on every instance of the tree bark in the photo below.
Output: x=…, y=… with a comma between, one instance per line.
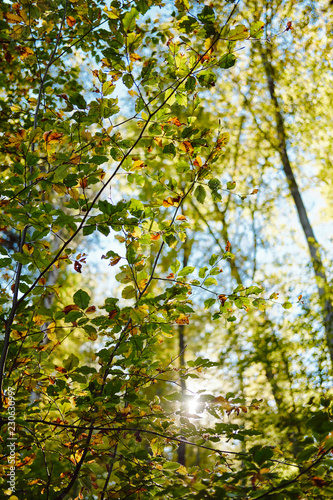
x=313, y=246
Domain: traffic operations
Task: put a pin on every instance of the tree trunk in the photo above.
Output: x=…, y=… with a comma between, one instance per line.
x=313, y=246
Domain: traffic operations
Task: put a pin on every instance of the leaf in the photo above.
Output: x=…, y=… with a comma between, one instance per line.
x=81, y=299
x=71, y=362
x=70, y=20
x=240, y=32
x=186, y=271
x=257, y=29
x=129, y=19
x=128, y=292
x=231, y=185
x=108, y=88
x=210, y=281
x=200, y=193
x=227, y=61
x=287, y=305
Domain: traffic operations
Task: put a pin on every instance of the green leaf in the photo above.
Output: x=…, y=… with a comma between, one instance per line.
x=240, y=32
x=81, y=299
x=129, y=19
x=170, y=149
x=128, y=292
x=186, y=270
x=256, y=29
x=200, y=193
x=227, y=61
x=231, y=185
x=190, y=84
x=210, y=282
x=214, y=258
x=128, y=80
x=287, y=305
x=209, y=303
x=108, y=88
x=71, y=362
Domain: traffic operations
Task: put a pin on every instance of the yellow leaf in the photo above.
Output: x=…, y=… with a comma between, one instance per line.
x=135, y=57
x=132, y=93
x=197, y=162
x=12, y=18
x=73, y=193
x=137, y=165
x=25, y=52
x=182, y=470
x=168, y=202
x=59, y=188
x=181, y=217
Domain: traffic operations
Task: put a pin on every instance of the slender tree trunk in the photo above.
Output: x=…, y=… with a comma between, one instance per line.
x=181, y=340
x=313, y=246
x=181, y=347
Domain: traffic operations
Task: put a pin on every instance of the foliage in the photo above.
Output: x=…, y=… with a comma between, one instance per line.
x=106, y=133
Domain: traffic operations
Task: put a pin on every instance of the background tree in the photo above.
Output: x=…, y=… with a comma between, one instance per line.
x=110, y=129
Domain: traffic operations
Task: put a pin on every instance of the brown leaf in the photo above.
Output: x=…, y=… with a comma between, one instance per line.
x=91, y=310
x=289, y=26
x=228, y=246
x=77, y=266
x=71, y=307
x=115, y=260
x=223, y=298
x=113, y=313
x=60, y=369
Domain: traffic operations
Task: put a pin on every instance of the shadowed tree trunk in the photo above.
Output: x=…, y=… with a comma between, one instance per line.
x=313, y=246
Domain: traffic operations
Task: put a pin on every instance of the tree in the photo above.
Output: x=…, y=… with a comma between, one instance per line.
x=106, y=133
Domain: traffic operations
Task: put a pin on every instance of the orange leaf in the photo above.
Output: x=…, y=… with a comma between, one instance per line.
x=223, y=298
x=175, y=121
x=156, y=236
x=289, y=26
x=83, y=182
x=60, y=369
x=42, y=281
x=255, y=191
x=168, y=202
x=170, y=276
x=228, y=246
x=70, y=21
x=52, y=137
x=181, y=217
x=182, y=320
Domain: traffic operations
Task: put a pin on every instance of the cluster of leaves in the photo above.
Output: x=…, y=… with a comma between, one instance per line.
x=96, y=422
